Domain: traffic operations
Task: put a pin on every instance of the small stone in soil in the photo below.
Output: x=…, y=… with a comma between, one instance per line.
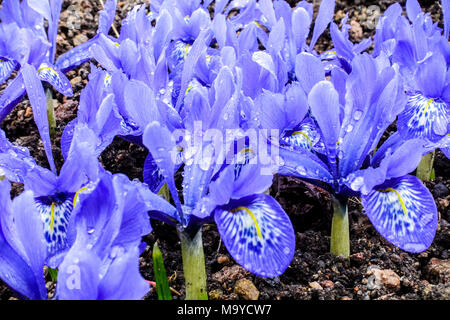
x=439, y=270
x=383, y=278
x=246, y=289
x=315, y=285
x=440, y=190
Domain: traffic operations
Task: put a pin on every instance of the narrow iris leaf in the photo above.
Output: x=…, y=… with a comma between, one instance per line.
x=162, y=284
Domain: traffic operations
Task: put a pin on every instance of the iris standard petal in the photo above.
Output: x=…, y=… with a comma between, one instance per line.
x=325, y=16
x=404, y=212
x=37, y=98
x=324, y=102
x=106, y=18
x=301, y=24
x=309, y=70
x=158, y=139
x=258, y=234
x=22, y=247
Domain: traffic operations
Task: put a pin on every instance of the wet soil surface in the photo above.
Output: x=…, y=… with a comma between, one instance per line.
x=376, y=269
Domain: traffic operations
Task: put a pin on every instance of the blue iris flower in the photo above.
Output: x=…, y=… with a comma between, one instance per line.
x=86, y=222
x=53, y=194
x=102, y=261
x=422, y=51
x=351, y=112
x=25, y=45
x=253, y=226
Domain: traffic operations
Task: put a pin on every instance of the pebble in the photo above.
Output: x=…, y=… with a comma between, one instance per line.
x=357, y=258
x=383, y=278
x=315, y=285
x=440, y=190
x=229, y=273
x=76, y=80
x=222, y=259
x=246, y=289
x=356, y=31
x=28, y=112
x=328, y=284
x=439, y=270
x=216, y=294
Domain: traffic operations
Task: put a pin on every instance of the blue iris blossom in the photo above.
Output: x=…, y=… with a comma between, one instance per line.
x=85, y=222
x=332, y=135
x=102, y=262
x=54, y=194
x=27, y=46
x=253, y=226
x=422, y=51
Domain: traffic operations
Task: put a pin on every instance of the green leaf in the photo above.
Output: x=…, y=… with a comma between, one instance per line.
x=162, y=284
x=164, y=192
x=53, y=274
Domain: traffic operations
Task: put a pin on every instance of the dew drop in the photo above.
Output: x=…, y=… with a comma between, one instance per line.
x=301, y=170
x=357, y=115
x=349, y=128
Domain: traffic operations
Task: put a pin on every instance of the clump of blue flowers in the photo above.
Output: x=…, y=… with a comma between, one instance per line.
x=222, y=100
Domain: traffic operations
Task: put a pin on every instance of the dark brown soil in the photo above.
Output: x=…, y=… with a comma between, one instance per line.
x=313, y=273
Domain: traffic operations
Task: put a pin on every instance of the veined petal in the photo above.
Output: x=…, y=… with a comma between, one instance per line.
x=56, y=78
x=152, y=175
x=305, y=136
x=258, y=234
x=6, y=68
x=424, y=118
x=55, y=212
x=403, y=211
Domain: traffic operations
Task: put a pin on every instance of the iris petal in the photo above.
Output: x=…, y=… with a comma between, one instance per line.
x=258, y=234
x=404, y=213
x=55, y=213
x=56, y=79
x=6, y=68
x=424, y=117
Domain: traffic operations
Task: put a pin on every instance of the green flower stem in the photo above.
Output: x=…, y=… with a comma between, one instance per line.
x=194, y=265
x=50, y=113
x=340, y=235
x=425, y=171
